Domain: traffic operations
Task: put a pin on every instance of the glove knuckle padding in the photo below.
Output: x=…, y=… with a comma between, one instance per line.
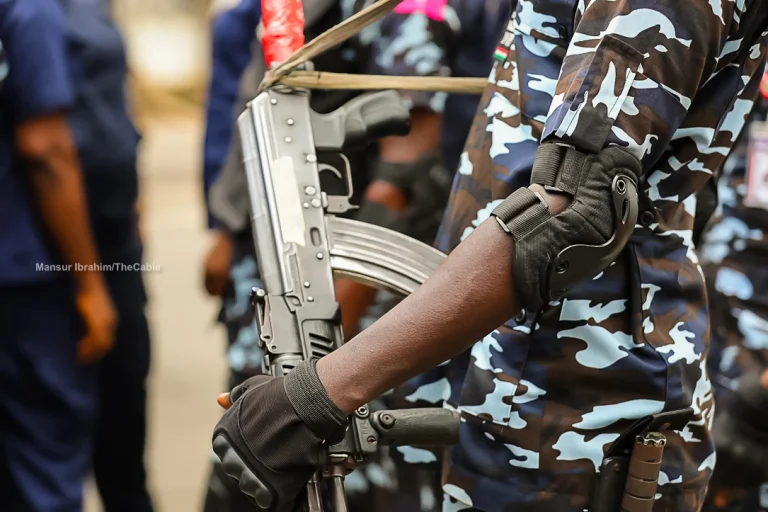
x=264, y=445
x=271, y=439
x=554, y=253
x=241, y=389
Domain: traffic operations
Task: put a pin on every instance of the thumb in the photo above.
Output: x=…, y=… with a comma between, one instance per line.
x=223, y=400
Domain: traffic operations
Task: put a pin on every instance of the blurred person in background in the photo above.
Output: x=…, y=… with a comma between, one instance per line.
x=230, y=269
x=409, y=182
x=106, y=142
x=228, y=273
x=733, y=254
x=56, y=316
x=413, y=174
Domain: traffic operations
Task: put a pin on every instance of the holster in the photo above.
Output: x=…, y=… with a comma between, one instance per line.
x=630, y=469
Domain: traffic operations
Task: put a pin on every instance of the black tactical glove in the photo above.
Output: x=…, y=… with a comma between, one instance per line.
x=272, y=438
x=740, y=431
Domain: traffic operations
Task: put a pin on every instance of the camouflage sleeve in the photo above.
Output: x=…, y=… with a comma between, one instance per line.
x=416, y=40
x=632, y=69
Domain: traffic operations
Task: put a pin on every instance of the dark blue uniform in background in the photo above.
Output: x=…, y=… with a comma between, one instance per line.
x=107, y=145
x=233, y=33
x=47, y=401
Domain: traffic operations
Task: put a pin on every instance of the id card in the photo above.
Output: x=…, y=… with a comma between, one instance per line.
x=757, y=166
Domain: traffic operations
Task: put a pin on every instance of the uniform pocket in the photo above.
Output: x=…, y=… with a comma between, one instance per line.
x=605, y=99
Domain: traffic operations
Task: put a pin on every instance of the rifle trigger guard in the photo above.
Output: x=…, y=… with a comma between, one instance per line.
x=333, y=203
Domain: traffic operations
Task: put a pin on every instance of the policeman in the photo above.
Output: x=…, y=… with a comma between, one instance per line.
x=587, y=322
x=733, y=255
x=56, y=317
x=107, y=142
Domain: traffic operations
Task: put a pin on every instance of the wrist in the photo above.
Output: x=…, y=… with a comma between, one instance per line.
x=89, y=281
x=346, y=397
x=312, y=403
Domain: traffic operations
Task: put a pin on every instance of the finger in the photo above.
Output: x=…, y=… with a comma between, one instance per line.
x=223, y=400
x=239, y=390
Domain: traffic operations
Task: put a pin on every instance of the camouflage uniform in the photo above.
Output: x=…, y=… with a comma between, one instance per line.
x=671, y=81
x=733, y=254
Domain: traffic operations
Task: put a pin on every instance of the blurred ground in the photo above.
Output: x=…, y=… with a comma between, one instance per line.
x=188, y=369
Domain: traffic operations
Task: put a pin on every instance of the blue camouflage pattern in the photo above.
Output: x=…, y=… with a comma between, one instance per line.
x=416, y=40
x=244, y=356
x=733, y=253
x=546, y=393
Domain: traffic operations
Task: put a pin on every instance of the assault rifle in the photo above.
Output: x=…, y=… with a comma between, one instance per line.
x=300, y=243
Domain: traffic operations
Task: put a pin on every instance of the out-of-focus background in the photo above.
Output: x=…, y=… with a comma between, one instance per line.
x=169, y=47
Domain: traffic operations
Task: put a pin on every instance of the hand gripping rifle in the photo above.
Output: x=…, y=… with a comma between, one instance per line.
x=300, y=244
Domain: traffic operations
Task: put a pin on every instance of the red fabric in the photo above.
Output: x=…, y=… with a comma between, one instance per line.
x=283, y=29
x=764, y=86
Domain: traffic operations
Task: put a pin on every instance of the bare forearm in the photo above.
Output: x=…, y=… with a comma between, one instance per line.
x=471, y=294
x=355, y=298
x=58, y=189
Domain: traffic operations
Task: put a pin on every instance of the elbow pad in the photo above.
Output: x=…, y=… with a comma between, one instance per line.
x=554, y=253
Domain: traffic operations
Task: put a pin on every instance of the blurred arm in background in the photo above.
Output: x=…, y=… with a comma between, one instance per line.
x=39, y=91
x=233, y=33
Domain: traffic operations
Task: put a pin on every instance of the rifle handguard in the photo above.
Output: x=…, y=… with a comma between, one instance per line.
x=421, y=427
